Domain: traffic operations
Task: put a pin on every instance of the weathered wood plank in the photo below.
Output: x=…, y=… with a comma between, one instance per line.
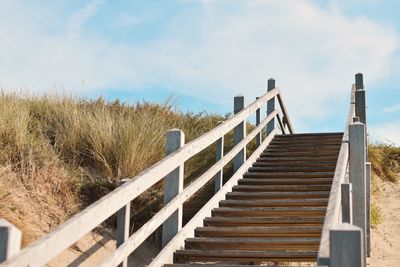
x=239, y=133
x=346, y=246
x=173, y=185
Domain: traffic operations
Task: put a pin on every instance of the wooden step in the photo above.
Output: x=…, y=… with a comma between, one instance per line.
x=305, y=145
x=259, y=231
x=284, y=181
x=289, y=174
x=292, y=169
x=184, y=256
x=294, y=164
x=307, y=137
x=269, y=211
x=309, y=134
x=302, y=159
x=277, y=154
x=316, y=202
x=301, y=149
x=264, y=221
x=281, y=188
x=301, y=143
x=253, y=243
x=277, y=195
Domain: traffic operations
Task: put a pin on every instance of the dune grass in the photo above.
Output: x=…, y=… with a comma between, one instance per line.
x=57, y=155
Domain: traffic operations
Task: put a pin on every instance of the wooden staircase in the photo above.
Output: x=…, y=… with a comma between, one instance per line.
x=276, y=212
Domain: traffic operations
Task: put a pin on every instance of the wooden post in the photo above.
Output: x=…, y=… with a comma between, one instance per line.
x=10, y=240
x=173, y=185
x=357, y=174
x=347, y=212
x=219, y=153
x=239, y=133
x=123, y=220
x=360, y=99
x=368, y=185
x=346, y=246
x=258, y=120
x=270, y=107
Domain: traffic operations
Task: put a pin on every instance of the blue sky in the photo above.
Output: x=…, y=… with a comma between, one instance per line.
x=204, y=52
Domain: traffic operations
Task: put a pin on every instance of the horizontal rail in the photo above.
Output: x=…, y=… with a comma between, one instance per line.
x=49, y=246
x=138, y=237
x=332, y=216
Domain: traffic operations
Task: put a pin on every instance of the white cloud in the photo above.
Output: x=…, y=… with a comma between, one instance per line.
x=212, y=53
x=78, y=19
x=386, y=133
x=392, y=109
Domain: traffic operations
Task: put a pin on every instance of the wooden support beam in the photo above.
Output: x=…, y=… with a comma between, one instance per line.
x=360, y=105
x=173, y=185
x=258, y=120
x=239, y=133
x=270, y=106
x=123, y=220
x=346, y=246
x=10, y=240
x=368, y=197
x=219, y=153
x=347, y=212
x=357, y=174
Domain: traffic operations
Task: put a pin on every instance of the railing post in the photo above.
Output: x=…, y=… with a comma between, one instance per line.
x=219, y=153
x=239, y=133
x=258, y=121
x=360, y=108
x=10, y=240
x=123, y=220
x=270, y=107
x=347, y=207
x=173, y=185
x=368, y=185
x=346, y=246
x=357, y=175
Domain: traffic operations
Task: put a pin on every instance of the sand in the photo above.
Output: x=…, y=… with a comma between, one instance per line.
x=385, y=239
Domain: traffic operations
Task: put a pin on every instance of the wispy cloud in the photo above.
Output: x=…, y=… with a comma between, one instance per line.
x=78, y=19
x=392, y=109
x=386, y=133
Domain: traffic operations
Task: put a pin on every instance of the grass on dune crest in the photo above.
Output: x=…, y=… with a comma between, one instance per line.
x=57, y=155
x=385, y=165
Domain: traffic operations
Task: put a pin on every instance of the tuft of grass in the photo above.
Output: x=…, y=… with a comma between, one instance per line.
x=376, y=216
x=58, y=155
x=385, y=161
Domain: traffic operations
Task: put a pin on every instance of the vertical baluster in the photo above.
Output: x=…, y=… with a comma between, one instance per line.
x=346, y=246
x=219, y=153
x=123, y=220
x=173, y=185
x=10, y=240
x=239, y=133
x=357, y=173
x=270, y=107
x=258, y=121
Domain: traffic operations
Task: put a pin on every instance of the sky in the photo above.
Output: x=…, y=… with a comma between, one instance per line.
x=204, y=52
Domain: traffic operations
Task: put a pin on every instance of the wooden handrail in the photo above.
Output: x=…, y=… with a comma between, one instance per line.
x=49, y=246
x=285, y=114
x=138, y=237
x=332, y=217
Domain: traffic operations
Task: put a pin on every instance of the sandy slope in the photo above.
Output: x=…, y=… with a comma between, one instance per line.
x=385, y=240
